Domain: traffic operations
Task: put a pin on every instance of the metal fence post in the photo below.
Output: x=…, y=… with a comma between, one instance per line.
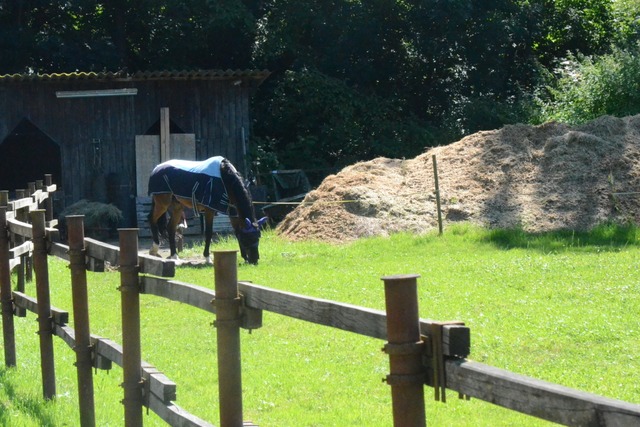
x=8, y=331
x=45, y=320
x=227, y=303
x=405, y=349
x=77, y=264
x=131, y=347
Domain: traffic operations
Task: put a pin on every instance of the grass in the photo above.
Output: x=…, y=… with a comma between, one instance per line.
x=561, y=307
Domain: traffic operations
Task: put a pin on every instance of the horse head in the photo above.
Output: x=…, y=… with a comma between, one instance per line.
x=249, y=238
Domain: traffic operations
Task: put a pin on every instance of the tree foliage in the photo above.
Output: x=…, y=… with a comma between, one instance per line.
x=572, y=26
x=591, y=87
x=432, y=60
x=352, y=79
x=335, y=125
x=89, y=35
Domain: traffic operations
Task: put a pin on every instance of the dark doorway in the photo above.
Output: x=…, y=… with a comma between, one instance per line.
x=155, y=128
x=26, y=155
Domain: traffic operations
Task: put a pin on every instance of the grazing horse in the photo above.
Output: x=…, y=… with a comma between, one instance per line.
x=208, y=187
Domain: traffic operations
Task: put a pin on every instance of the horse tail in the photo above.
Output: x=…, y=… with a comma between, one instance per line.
x=161, y=224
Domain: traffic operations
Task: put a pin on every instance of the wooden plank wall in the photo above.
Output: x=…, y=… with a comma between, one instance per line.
x=215, y=111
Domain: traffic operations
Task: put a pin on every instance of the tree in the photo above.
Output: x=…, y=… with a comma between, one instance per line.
x=626, y=17
x=574, y=26
x=591, y=87
x=85, y=35
x=334, y=125
x=352, y=79
x=431, y=60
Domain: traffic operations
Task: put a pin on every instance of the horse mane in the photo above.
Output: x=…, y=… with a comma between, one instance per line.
x=238, y=193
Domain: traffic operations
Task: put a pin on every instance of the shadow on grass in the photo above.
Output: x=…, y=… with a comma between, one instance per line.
x=605, y=237
x=32, y=407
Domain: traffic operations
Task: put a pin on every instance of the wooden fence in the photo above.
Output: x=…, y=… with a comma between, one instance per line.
x=420, y=351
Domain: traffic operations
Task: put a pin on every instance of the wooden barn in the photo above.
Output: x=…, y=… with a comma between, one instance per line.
x=100, y=134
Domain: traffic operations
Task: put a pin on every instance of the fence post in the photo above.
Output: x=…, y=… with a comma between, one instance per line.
x=31, y=188
x=227, y=304
x=131, y=347
x=8, y=331
x=437, y=185
x=45, y=320
x=405, y=349
x=77, y=264
x=48, y=180
x=21, y=268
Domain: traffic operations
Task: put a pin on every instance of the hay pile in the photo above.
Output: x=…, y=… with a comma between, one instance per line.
x=540, y=178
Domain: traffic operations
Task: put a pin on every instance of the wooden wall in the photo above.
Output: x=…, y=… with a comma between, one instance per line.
x=216, y=110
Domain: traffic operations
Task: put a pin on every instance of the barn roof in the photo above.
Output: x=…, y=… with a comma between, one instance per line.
x=257, y=75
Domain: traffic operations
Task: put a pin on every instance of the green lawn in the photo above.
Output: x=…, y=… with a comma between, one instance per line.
x=561, y=307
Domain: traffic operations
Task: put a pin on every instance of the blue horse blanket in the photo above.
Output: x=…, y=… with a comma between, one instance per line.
x=199, y=181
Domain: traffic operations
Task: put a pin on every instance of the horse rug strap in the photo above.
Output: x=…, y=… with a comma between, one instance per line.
x=201, y=182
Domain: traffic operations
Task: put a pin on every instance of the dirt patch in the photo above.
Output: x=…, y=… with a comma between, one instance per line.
x=540, y=178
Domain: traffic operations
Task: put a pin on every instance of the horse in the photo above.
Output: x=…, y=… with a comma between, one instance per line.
x=208, y=187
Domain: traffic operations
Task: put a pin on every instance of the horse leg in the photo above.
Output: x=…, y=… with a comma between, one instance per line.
x=176, y=218
x=158, y=209
x=208, y=234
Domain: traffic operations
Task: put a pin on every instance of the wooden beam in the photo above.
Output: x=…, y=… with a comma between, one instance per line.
x=59, y=250
x=103, y=251
x=147, y=264
x=175, y=415
x=67, y=333
x=351, y=318
x=26, y=202
x=165, y=134
x=13, y=263
x=24, y=248
x=538, y=398
x=108, y=349
x=156, y=266
x=158, y=384
x=196, y=296
x=20, y=228
x=21, y=300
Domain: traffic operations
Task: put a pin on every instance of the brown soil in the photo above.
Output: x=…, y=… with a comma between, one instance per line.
x=540, y=178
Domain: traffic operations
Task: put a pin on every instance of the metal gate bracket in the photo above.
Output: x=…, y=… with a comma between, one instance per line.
x=405, y=349
x=434, y=359
x=250, y=318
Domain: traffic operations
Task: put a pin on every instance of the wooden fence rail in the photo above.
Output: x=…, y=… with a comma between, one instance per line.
x=16, y=225
x=445, y=345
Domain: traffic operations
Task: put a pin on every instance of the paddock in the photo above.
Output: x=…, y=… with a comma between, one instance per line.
x=435, y=352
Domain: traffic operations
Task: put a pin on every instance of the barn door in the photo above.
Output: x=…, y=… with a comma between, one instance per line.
x=148, y=155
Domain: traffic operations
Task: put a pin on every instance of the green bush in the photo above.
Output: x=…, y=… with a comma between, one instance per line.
x=100, y=219
x=587, y=88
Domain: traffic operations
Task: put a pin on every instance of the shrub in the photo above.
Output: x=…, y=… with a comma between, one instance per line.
x=100, y=219
x=588, y=88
